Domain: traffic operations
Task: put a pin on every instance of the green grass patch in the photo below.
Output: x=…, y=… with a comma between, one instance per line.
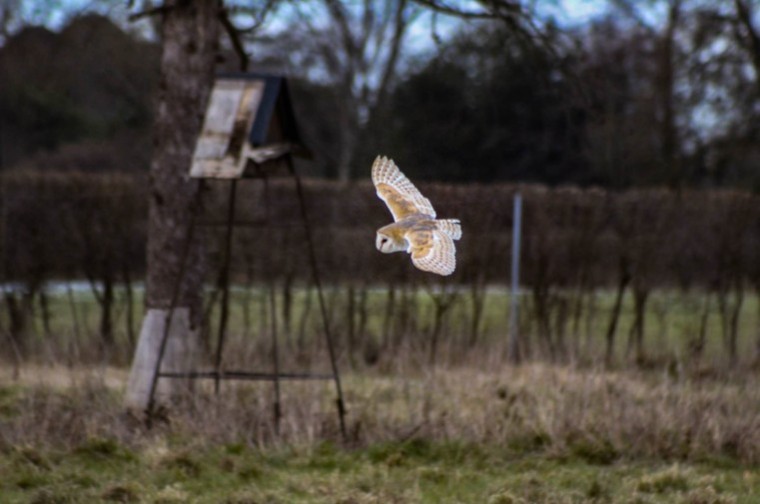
x=8, y=401
x=673, y=323
x=415, y=472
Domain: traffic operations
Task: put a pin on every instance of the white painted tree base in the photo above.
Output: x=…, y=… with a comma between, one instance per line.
x=180, y=355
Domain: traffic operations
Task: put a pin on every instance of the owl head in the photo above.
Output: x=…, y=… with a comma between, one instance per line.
x=387, y=243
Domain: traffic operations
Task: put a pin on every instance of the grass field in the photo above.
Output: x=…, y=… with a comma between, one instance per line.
x=470, y=429
x=533, y=434
x=673, y=322
x=398, y=472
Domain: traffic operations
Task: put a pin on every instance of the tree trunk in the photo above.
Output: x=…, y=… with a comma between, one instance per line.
x=442, y=303
x=589, y=320
x=77, y=334
x=542, y=310
x=189, y=49
x=697, y=346
x=17, y=331
x=21, y=317
x=287, y=309
x=130, y=306
x=563, y=305
x=478, y=299
x=734, y=326
x=757, y=334
x=389, y=316
x=106, y=315
x=729, y=314
x=751, y=39
x=636, y=336
x=625, y=278
x=669, y=129
x=439, y=313
x=363, y=315
x=301, y=343
x=45, y=313
x=351, y=321
x=347, y=149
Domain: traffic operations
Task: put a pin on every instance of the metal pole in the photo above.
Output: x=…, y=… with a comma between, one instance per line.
x=225, y=283
x=273, y=320
x=321, y=298
x=514, y=350
x=275, y=357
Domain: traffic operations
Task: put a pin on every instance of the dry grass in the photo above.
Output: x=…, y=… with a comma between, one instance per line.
x=533, y=434
x=61, y=378
x=598, y=416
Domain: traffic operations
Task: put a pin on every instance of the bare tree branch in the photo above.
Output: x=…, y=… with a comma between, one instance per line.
x=519, y=20
x=443, y=8
x=258, y=14
x=153, y=11
x=234, y=36
x=750, y=39
x=401, y=24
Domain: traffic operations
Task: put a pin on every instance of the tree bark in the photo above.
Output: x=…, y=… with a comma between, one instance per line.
x=669, y=128
x=190, y=33
x=106, y=315
x=130, y=306
x=751, y=39
x=18, y=322
x=351, y=320
x=389, y=316
x=636, y=336
x=625, y=278
x=478, y=299
x=442, y=302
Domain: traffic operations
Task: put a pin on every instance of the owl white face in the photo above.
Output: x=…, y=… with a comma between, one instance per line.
x=387, y=244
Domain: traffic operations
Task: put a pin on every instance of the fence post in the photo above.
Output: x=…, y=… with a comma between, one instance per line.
x=514, y=349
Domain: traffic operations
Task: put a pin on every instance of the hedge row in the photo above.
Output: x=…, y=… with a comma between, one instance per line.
x=93, y=226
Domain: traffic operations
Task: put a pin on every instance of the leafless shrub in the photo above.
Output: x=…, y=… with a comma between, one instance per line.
x=69, y=226
x=577, y=242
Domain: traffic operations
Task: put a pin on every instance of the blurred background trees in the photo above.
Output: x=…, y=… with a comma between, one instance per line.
x=77, y=99
x=663, y=92
x=648, y=100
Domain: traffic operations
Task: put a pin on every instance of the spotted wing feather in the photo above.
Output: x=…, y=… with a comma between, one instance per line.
x=433, y=251
x=451, y=227
x=397, y=191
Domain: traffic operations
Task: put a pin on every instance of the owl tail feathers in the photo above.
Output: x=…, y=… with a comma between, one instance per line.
x=451, y=227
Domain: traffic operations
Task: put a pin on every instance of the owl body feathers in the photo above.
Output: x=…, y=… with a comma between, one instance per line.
x=415, y=229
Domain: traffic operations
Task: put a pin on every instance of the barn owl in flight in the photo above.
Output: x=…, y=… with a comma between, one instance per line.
x=415, y=229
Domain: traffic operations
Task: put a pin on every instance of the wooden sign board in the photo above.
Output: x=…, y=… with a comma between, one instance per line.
x=222, y=147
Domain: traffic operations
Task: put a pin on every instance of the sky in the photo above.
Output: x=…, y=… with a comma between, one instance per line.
x=54, y=13
x=564, y=12
x=570, y=12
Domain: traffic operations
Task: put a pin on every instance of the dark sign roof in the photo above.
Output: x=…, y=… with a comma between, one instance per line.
x=276, y=98
x=249, y=117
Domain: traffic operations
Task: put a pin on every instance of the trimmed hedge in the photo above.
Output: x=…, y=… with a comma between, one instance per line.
x=83, y=225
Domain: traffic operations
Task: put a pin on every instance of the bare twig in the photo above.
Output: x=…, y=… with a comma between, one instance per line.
x=234, y=36
x=438, y=6
x=751, y=38
x=153, y=11
x=518, y=19
x=259, y=15
x=401, y=24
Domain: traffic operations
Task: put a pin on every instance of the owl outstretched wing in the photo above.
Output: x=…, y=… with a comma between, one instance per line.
x=398, y=193
x=433, y=251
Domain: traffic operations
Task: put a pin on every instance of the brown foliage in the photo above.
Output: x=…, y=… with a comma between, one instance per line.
x=575, y=241
x=63, y=226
